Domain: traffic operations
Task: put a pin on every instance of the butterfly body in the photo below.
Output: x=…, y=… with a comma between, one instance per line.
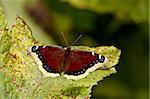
x=75, y=64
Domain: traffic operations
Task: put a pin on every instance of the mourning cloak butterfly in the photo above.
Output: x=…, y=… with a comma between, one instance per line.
x=75, y=64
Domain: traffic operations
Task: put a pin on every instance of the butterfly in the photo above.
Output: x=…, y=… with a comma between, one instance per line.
x=74, y=64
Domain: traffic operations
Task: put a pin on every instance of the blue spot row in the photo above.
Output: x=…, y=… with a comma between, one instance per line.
x=101, y=60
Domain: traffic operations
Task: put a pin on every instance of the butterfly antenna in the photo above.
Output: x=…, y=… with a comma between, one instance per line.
x=77, y=39
x=62, y=33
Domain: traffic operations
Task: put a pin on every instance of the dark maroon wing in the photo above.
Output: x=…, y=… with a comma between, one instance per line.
x=51, y=57
x=80, y=61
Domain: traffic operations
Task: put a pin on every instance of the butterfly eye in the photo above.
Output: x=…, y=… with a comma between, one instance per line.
x=102, y=59
x=34, y=48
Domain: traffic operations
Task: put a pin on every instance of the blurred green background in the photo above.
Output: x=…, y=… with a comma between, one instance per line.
x=122, y=23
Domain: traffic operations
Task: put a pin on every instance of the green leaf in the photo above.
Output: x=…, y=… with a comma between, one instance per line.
x=22, y=78
x=4, y=39
x=123, y=9
x=2, y=87
x=12, y=8
x=3, y=23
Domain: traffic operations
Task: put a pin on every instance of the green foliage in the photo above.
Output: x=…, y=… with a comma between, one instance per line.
x=111, y=25
x=3, y=23
x=20, y=76
x=123, y=9
x=2, y=87
x=12, y=8
x=4, y=39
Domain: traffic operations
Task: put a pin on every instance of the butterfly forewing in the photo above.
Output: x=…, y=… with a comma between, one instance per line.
x=53, y=57
x=79, y=60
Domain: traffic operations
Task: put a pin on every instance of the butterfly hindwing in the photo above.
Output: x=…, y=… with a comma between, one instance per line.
x=82, y=63
x=80, y=60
